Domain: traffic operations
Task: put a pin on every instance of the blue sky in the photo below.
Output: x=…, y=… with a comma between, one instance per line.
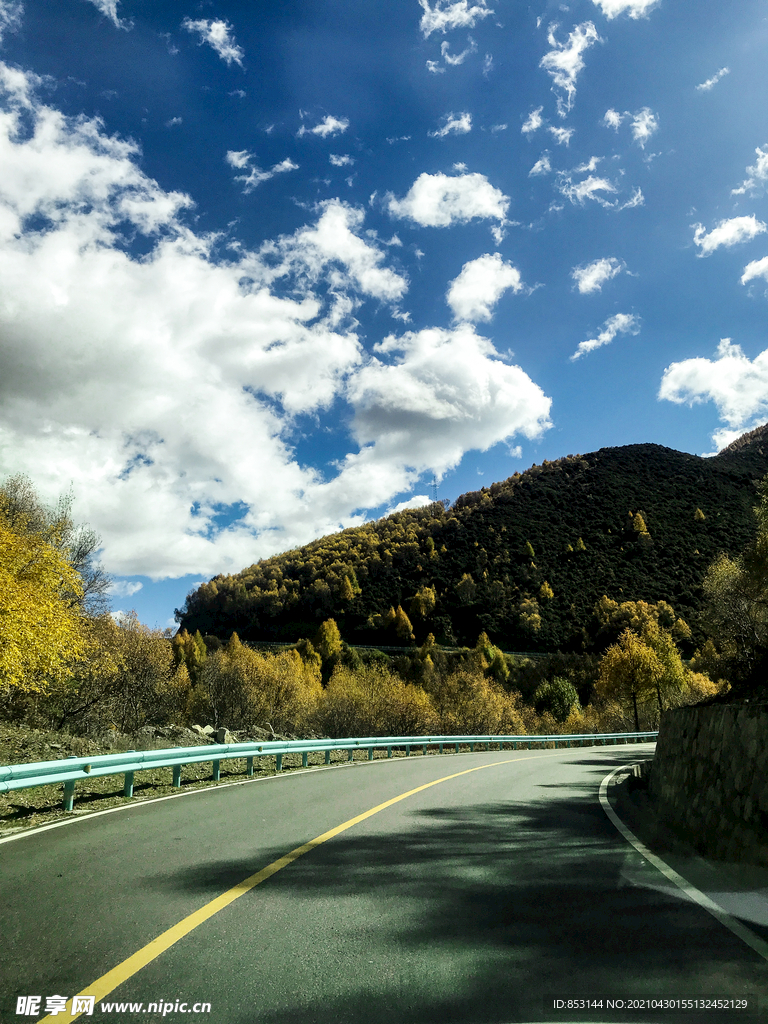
x=266, y=268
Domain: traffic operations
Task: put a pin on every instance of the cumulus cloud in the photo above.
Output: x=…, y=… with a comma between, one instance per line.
x=442, y=392
x=533, y=122
x=255, y=176
x=737, y=385
x=450, y=14
x=644, y=124
x=633, y=8
x=621, y=323
x=124, y=588
x=590, y=188
x=454, y=124
x=590, y=165
x=757, y=268
x=562, y=135
x=728, y=233
x=712, y=82
x=435, y=67
x=542, y=166
x=440, y=200
x=109, y=9
x=564, y=62
x=590, y=277
x=217, y=34
x=758, y=174
x=481, y=283
x=328, y=126
x=459, y=58
x=341, y=161
x=612, y=119
x=11, y=12
x=167, y=384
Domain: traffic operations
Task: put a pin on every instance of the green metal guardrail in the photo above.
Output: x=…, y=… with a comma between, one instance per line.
x=72, y=769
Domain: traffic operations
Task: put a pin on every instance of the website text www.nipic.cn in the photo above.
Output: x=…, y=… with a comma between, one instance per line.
x=32, y=1006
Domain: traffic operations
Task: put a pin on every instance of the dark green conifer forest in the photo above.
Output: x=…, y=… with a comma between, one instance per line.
x=525, y=560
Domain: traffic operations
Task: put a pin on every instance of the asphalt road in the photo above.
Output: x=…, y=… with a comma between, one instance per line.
x=478, y=900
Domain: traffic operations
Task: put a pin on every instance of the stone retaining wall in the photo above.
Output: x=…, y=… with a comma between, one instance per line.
x=709, y=779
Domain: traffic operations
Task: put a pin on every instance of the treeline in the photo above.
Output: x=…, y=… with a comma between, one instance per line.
x=66, y=663
x=524, y=561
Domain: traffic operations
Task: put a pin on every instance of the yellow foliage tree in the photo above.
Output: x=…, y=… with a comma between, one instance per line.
x=628, y=671
x=40, y=630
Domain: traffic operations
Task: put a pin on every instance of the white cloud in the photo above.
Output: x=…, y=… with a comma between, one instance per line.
x=737, y=386
x=11, y=12
x=124, y=588
x=458, y=124
x=166, y=385
x=480, y=285
x=459, y=58
x=634, y=8
x=444, y=392
x=435, y=67
x=542, y=166
x=173, y=122
x=564, y=62
x=562, y=135
x=417, y=501
x=533, y=122
x=341, y=161
x=644, y=124
x=758, y=173
x=255, y=176
x=712, y=82
x=217, y=34
x=612, y=119
x=621, y=323
x=487, y=65
x=757, y=268
x=589, y=188
x=439, y=200
x=328, y=126
x=450, y=14
x=727, y=232
x=590, y=277
x=499, y=127
x=636, y=199
x=109, y=9
x=590, y=165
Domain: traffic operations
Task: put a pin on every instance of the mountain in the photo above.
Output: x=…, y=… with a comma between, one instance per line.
x=638, y=522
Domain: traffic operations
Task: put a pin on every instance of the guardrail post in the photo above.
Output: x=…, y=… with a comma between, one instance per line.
x=328, y=756
x=177, y=776
x=407, y=749
x=389, y=751
x=304, y=757
x=249, y=766
x=216, y=771
x=128, y=784
x=424, y=748
x=370, y=753
x=471, y=748
x=278, y=762
x=457, y=748
x=514, y=745
x=351, y=754
x=441, y=748
x=69, y=788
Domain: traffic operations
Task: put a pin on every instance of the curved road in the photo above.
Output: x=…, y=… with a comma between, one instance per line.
x=476, y=900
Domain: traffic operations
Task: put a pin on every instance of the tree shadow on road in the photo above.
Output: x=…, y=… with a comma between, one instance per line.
x=477, y=915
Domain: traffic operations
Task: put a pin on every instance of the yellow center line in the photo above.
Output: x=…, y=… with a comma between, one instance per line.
x=108, y=982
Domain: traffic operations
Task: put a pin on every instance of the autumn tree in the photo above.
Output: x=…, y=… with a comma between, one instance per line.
x=423, y=603
x=41, y=630
x=628, y=670
x=466, y=589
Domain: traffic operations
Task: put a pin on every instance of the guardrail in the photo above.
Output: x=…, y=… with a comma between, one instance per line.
x=72, y=769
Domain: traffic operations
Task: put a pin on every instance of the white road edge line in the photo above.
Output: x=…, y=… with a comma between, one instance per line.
x=760, y=946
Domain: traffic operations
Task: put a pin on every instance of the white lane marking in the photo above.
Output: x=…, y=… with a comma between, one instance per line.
x=759, y=945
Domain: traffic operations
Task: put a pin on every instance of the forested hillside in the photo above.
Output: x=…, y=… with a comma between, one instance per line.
x=525, y=560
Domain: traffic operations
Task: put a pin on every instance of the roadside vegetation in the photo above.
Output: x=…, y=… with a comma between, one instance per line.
x=76, y=680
